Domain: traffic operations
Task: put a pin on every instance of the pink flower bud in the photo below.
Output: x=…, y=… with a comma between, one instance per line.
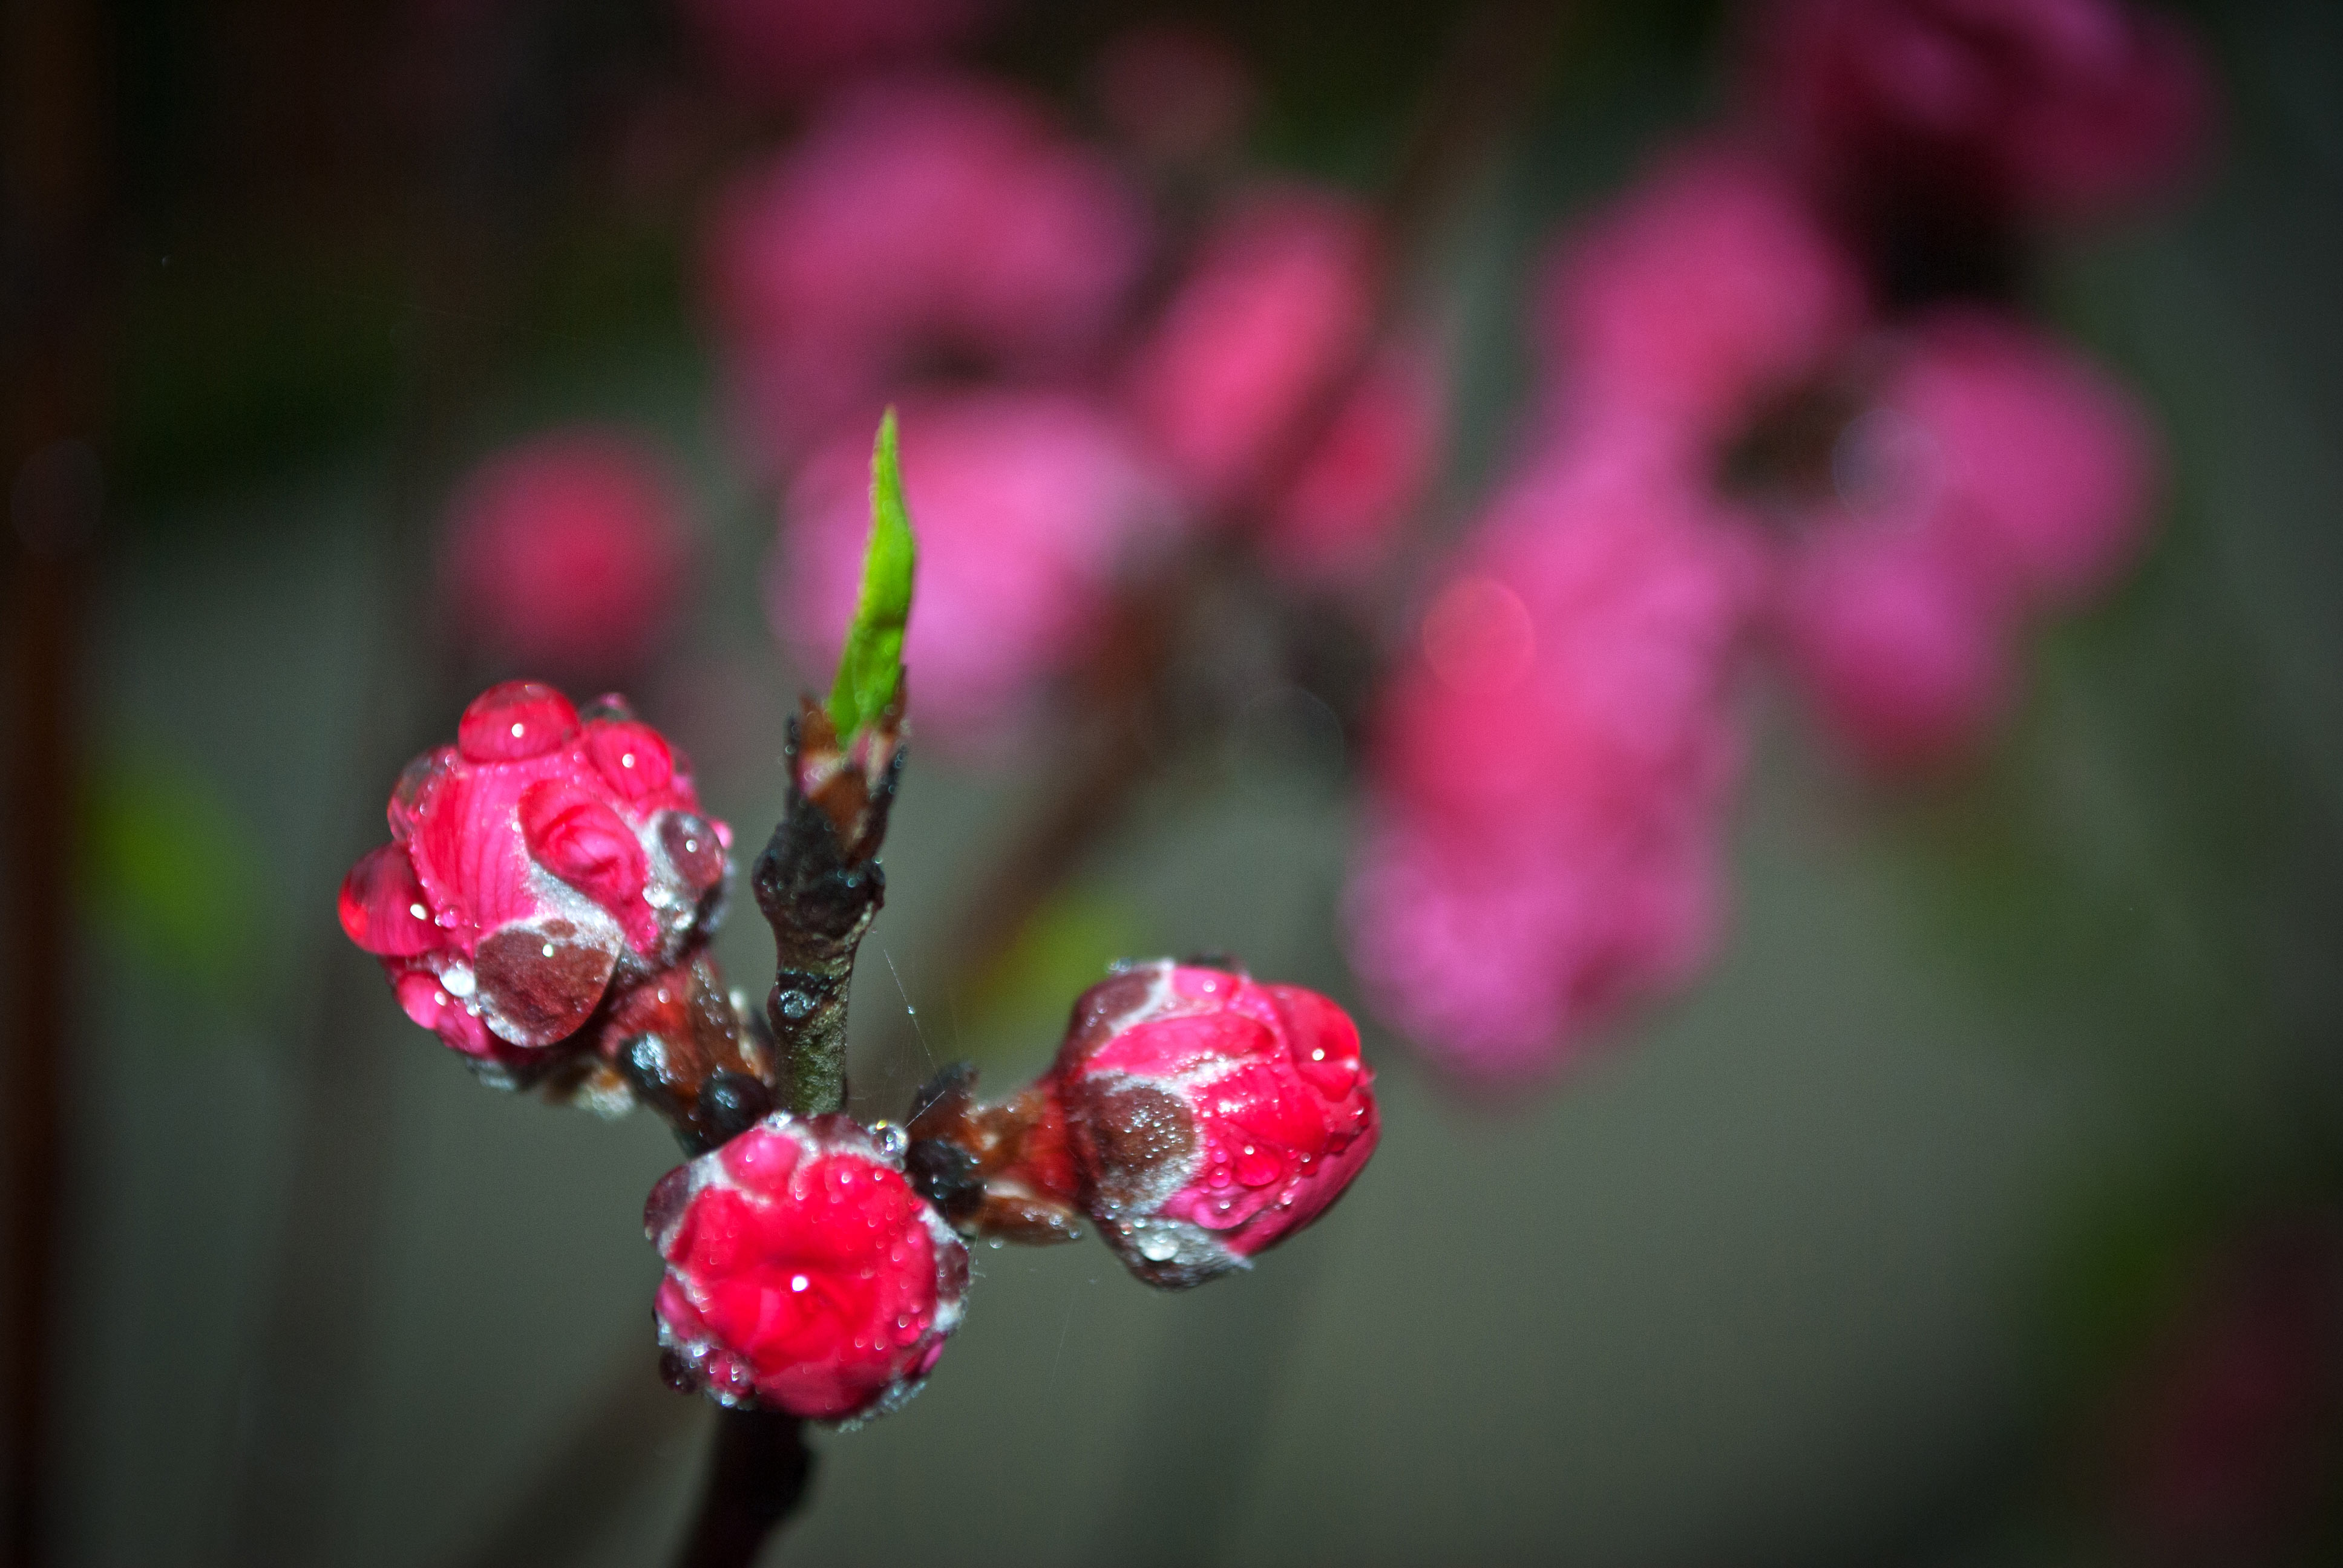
x=2044, y=106
x=1272, y=318
x=568, y=552
x=1029, y=505
x=1210, y=1117
x=1707, y=287
x=537, y=865
x=803, y=1273
x=924, y=217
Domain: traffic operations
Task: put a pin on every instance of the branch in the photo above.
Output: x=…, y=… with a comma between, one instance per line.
x=759, y=1478
x=819, y=885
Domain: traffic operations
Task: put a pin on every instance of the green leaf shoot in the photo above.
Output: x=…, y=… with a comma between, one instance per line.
x=870, y=665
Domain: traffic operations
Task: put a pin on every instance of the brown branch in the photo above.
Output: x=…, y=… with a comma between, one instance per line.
x=819, y=885
x=757, y=1478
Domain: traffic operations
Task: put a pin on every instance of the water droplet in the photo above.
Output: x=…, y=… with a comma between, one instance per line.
x=546, y=951
x=891, y=1139
x=627, y=760
x=1156, y=1247
x=794, y=1004
x=418, y=911
x=994, y=1243
x=1319, y=1054
x=798, y=1282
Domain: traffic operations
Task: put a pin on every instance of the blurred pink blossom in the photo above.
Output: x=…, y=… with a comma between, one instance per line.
x=1908, y=661
x=1552, y=770
x=1029, y=505
x=2048, y=108
x=1278, y=307
x=919, y=220
x=566, y=553
x=777, y=48
x=1706, y=288
x=1996, y=474
x=2047, y=470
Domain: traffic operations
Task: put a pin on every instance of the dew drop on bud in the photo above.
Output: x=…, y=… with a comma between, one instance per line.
x=693, y=847
x=413, y=780
x=793, y=1004
x=533, y=998
x=515, y=720
x=610, y=708
x=891, y=1139
x=1157, y=1246
x=382, y=906
x=665, y=1205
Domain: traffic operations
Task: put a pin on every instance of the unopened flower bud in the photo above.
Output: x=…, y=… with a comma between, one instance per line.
x=1210, y=1117
x=542, y=861
x=803, y=1273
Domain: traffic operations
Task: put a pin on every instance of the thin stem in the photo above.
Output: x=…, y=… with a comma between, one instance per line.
x=757, y=1478
x=819, y=885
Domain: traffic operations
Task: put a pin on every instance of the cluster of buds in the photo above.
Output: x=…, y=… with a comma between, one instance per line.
x=544, y=907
